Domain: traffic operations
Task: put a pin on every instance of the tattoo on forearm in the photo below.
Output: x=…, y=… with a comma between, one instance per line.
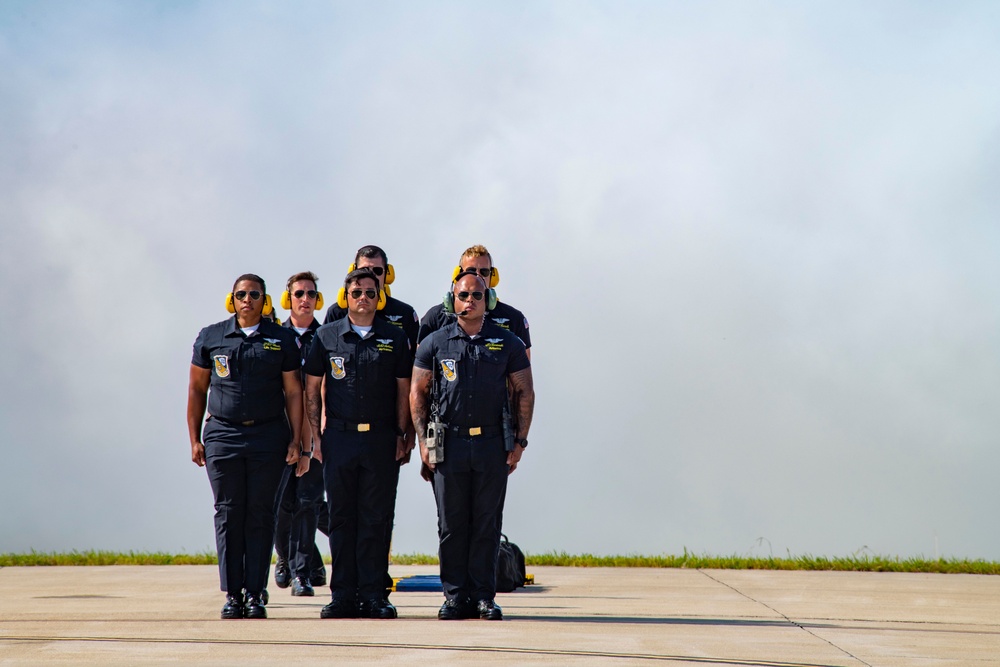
x=420, y=407
x=314, y=405
x=524, y=399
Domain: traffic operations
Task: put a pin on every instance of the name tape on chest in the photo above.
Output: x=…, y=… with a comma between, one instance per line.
x=384, y=344
x=272, y=344
x=494, y=344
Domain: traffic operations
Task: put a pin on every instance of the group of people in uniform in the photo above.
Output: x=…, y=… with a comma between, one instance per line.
x=283, y=415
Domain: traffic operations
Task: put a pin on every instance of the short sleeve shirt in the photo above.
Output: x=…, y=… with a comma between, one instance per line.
x=246, y=371
x=360, y=373
x=470, y=374
x=395, y=312
x=304, y=341
x=504, y=316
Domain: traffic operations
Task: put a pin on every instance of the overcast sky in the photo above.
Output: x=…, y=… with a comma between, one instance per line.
x=757, y=243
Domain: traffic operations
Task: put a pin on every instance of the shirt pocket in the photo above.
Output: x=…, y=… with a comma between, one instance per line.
x=263, y=362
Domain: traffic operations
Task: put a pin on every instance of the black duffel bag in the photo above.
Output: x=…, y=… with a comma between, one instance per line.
x=511, y=572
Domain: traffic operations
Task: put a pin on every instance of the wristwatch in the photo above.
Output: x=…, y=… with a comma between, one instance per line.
x=521, y=441
x=306, y=454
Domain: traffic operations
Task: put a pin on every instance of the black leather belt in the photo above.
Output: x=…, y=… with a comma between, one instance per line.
x=476, y=430
x=341, y=425
x=250, y=422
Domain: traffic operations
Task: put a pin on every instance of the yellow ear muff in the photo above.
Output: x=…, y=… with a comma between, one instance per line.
x=492, y=282
x=390, y=274
x=267, y=310
x=342, y=299
x=286, y=300
x=388, y=292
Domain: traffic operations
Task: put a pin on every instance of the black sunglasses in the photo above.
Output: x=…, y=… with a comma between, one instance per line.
x=485, y=273
x=370, y=293
x=464, y=296
x=377, y=270
x=311, y=293
x=242, y=294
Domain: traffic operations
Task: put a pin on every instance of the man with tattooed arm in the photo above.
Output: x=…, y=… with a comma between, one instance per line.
x=465, y=367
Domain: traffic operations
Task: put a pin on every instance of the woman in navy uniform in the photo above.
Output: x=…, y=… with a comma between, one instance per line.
x=251, y=366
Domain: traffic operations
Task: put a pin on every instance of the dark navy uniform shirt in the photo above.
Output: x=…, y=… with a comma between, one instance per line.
x=246, y=382
x=360, y=372
x=395, y=312
x=504, y=316
x=304, y=341
x=470, y=374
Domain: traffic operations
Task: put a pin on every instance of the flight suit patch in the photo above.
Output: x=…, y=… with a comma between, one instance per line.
x=448, y=367
x=221, y=365
x=384, y=344
x=337, y=368
x=272, y=344
x=494, y=344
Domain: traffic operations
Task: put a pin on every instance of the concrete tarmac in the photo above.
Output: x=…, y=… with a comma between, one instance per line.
x=572, y=616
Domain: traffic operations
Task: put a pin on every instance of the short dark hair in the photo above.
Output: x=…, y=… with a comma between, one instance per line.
x=253, y=277
x=371, y=252
x=359, y=274
x=302, y=275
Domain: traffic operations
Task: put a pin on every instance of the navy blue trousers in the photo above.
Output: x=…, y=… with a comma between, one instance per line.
x=469, y=487
x=300, y=507
x=360, y=473
x=244, y=465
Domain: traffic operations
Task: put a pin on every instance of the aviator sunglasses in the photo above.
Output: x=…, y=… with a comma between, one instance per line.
x=485, y=273
x=370, y=293
x=464, y=296
x=242, y=294
x=310, y=293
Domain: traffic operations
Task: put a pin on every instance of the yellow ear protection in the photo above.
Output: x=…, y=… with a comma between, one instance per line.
x=492, y=282
x=449, y=298
x=342, y=298
x=231, y=304
x=286, y=300
x=387, y=278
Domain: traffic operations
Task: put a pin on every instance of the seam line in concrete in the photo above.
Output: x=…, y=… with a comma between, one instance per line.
x=427, y=647
x=793, y=622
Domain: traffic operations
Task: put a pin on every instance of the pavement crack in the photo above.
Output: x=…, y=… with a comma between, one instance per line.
x=795, y=623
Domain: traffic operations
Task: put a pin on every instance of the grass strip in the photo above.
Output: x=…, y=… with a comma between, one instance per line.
x=106, y=558
x=863, y=563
